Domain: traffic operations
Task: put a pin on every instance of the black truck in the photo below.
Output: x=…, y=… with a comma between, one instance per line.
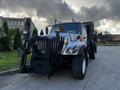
x=69, y=44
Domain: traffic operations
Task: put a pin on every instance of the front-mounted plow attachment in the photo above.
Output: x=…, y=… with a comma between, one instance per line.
x=45, y=55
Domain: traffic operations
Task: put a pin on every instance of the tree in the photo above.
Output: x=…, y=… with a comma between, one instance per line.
x=106, y=32
x=101, y=37
x=107, y=36
x=12, y=33
x=35, y=32
x=17, y=39
x=41, y=33
x=2, y=34
x=5, y=41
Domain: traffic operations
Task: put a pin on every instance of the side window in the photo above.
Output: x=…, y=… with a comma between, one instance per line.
x=84, y=30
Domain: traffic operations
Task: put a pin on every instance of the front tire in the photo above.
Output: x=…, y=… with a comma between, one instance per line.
x=79, y=65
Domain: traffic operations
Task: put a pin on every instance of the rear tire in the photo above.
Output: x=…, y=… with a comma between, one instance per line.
x=79, y=65
x=91, y=54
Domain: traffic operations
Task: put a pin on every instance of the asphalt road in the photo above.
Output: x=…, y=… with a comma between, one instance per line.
x=102, y=74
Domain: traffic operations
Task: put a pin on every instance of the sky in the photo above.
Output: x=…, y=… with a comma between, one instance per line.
x=105, y=13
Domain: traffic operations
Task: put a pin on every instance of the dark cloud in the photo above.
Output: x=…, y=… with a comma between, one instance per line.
x=114, y=7
x=110, y=11
x=94, y=13
x=51, y=9
x=19, y=5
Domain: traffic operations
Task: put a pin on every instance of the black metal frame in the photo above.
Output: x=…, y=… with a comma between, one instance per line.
x=45, y=55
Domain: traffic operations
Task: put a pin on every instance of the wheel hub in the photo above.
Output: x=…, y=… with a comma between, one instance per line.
x=84, y=66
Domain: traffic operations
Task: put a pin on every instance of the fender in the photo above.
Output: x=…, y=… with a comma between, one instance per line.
x=82, y=49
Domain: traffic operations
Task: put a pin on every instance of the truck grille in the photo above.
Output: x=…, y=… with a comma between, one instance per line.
x=47, y=45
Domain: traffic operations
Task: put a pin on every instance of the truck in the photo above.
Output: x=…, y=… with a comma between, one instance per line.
x=69, y=44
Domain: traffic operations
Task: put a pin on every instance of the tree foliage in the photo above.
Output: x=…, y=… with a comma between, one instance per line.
x=17, y=39
x=5, y=41
x=2, y=33
x=41, y=33
x=35, y=32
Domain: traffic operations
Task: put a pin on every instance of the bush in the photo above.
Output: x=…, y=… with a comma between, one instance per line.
x=5, y=43
x=1, y=47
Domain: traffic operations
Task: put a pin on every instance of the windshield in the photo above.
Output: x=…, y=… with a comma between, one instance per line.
x=74, y=28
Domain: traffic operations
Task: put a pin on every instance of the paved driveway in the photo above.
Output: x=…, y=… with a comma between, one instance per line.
x=102, y=74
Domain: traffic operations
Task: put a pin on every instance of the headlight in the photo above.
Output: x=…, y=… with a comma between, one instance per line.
x=66, y=41
x=69, y=50
x=75, y=49
x=72, y=50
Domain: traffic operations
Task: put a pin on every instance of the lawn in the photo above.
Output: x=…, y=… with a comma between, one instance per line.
x=9, y=60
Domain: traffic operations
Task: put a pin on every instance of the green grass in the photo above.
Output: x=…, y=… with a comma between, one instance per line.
x=9, y=60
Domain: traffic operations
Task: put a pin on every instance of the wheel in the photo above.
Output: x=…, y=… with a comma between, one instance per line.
x=79, y=66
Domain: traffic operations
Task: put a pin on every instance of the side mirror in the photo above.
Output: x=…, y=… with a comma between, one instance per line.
x=81, y=37
x=84, y=37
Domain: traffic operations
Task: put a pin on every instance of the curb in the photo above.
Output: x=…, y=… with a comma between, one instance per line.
x=10, y=72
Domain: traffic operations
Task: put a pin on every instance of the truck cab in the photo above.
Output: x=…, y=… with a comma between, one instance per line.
x=75, y=36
